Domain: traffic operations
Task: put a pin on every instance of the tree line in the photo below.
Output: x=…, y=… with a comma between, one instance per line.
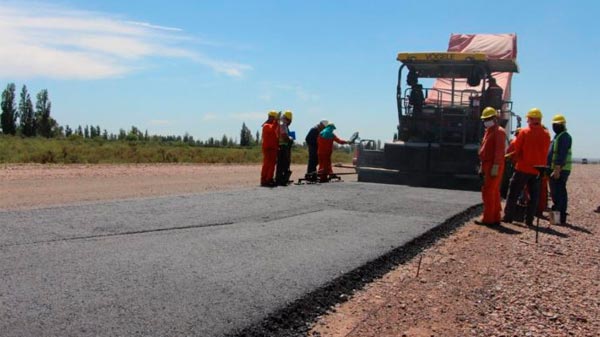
x=24, y=120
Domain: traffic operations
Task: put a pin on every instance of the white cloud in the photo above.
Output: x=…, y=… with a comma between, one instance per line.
x=56, y=42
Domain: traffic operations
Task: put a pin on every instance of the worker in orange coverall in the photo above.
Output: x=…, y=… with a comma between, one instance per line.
x=543, y=198
x=491, y=155
x=325, y=149
x=270, y=146
x=529, y=151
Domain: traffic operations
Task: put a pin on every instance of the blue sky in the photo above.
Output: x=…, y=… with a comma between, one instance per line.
x=204, y=67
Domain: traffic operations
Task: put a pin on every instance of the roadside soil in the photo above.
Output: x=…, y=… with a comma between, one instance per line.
x=479, y=281
x=484, y=281
x=34, y=186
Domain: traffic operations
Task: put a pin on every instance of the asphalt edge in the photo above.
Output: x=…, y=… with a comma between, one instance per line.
x=295, y=319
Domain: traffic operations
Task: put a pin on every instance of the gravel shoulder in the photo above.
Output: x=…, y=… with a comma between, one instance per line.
x=477, y=282
x=490, y=282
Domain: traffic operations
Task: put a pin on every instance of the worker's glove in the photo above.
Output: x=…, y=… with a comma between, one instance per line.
x=555, y=173
x=479, y=171
x=494, y=171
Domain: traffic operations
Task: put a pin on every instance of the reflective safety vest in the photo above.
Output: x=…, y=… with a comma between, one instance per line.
x=567, y=166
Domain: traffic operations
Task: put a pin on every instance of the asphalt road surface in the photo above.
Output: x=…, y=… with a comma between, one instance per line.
x=198, y=265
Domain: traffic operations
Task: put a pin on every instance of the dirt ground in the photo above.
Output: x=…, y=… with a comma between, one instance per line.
x=33, y=186
x=480, y=281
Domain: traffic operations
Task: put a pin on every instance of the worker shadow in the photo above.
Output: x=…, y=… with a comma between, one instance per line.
x=501, y=229
x=549, y=231
x=575, y=228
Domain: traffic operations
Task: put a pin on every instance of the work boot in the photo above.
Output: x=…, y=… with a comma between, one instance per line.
x=311, y=177
x=563, y=219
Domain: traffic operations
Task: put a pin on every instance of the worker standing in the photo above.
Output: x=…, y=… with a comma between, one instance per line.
x=325, y=150
x=284, y=156
x=270, y=146
x=311, y=142
x=530, y=150
x=559, y=161
x=491, y=155
x=494, y=94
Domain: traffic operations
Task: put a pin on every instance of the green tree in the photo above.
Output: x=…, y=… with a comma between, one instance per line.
x=86, y=132
x=257, y=138
x=245, y=136
x=42, y=114
x=8, y=117
x=68, y=131
x=26, y=113
x=225, y=141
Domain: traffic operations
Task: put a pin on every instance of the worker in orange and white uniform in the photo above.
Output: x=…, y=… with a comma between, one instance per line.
x=270, y=146
x=491, y=155
x=531, y=147
x=325, y=150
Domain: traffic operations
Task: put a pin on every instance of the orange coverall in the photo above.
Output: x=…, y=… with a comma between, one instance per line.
x=537, y=138
x=529, y=148
x=324, y=151
x=270, y=146
x=492, y=153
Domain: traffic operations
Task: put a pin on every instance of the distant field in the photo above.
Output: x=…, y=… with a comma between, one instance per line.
x=96, y=151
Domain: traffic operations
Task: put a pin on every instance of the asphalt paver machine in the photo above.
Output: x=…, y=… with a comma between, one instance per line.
x=439, y=127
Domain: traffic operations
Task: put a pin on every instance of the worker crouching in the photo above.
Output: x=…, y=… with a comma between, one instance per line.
x=491, y=155
x=325, y=150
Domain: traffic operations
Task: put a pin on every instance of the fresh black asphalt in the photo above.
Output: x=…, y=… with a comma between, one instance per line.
x=199, y=265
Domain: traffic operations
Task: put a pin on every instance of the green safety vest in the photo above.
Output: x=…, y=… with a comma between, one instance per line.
x=567, y=166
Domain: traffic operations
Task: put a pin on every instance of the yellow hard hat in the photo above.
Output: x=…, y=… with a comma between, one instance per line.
x=559, y=119
x=488, y=112
x=273, y=113
x=534, y=113
x=288, y=114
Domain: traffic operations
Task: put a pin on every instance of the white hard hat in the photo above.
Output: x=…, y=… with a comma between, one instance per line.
x=324, y=122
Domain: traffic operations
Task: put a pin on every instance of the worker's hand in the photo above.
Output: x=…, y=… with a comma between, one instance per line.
x=494, y=171
x=556, y=172
x=479, y=171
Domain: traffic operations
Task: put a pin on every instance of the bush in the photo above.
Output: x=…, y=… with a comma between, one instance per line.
x=78, y=150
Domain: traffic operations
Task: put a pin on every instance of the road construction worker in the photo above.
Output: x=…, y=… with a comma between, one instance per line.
x=531, y=146
x=559, y=161
x=491, y=155
x=284, y=156
x=510, y=150
x=525, y=198
x=311, y=142
x=270, y=146
x=493, y=94
x=325, y=150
